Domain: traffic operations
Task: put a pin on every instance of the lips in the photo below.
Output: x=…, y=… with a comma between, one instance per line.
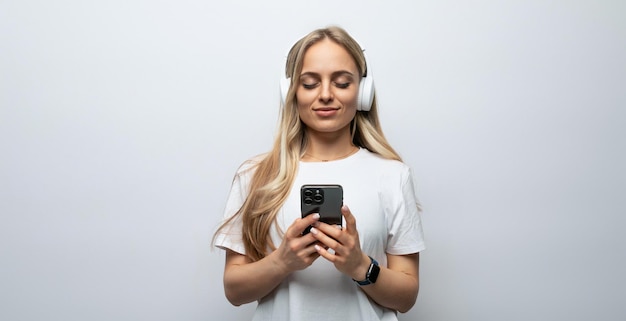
x=325, y=111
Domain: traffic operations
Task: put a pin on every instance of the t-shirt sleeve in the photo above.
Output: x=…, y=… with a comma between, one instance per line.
x=404, y=222
x=230, y=236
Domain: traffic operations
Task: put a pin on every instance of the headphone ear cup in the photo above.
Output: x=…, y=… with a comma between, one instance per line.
x=366, y=93
x=285, y=83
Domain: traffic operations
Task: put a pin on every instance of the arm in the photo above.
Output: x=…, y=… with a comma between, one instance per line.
x=398, y=283
x=246, y=281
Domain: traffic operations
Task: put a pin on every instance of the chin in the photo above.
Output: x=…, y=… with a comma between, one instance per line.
x=330, y=129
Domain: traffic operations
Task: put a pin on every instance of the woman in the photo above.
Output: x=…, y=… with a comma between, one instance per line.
x=328, y=134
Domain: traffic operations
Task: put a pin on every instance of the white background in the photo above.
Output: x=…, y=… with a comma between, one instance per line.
x=123, y=122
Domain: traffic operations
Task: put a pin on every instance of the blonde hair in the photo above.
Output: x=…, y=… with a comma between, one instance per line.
x=275, y=172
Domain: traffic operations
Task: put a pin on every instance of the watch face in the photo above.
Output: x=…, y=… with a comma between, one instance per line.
x=373, y=275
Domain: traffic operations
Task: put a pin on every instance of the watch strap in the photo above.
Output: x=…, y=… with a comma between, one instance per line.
x=372, y=273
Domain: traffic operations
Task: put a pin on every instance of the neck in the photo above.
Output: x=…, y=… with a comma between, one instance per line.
x=328, y=147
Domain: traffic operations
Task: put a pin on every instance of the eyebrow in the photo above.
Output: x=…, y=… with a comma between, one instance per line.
x=333, y=75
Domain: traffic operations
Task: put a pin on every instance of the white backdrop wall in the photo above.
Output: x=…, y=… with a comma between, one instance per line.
x=122, y=123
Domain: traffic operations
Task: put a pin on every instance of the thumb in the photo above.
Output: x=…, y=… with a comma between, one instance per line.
x=302, y=223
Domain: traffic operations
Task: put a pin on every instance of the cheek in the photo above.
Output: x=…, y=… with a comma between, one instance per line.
x=304, y=97
x=302, y=104
x=349, y=99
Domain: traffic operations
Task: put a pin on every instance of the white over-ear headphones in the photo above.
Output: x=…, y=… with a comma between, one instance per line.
x=365, y=95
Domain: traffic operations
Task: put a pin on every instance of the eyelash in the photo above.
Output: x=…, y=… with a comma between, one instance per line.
x=338, y=85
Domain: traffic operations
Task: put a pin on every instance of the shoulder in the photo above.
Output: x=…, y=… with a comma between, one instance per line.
x=245, y=171
x=249, y=165
x=383, y=165
x=392, y=176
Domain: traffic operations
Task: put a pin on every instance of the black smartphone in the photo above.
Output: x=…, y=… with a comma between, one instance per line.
x=323, y=199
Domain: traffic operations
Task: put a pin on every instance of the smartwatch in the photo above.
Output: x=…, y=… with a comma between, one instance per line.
x=372, y=273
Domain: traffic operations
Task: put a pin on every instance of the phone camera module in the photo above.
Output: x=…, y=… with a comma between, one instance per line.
x=318, y=197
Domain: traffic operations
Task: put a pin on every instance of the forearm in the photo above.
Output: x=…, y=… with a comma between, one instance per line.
x=393, y=289
x=397, y=284
x=246, y=282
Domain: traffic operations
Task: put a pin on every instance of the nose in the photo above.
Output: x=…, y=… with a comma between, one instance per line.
x=326, y=92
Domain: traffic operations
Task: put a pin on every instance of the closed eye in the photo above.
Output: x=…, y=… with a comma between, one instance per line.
x=310, y=86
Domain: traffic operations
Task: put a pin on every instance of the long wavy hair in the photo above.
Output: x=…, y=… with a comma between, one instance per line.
x=275, y=172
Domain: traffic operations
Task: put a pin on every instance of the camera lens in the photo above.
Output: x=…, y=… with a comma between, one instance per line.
x=308, y=193
x=318, y=198
x=308, y=201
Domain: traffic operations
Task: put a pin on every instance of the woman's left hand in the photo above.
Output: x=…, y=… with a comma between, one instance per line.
x=347, y=257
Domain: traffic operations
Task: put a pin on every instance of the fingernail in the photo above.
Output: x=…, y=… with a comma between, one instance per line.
x=313, y=230
x=338, y=227
x=317, y=247
x=344, y=207
x=316, y=216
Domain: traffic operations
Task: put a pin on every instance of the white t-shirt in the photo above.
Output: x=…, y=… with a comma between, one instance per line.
x=380, y=194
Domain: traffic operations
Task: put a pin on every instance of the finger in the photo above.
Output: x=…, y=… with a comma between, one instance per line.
x=333, y=231
x=309, y=254
x=311, y=250
x=325, y=254
x=313, y=256
x=350, y=220
x=302, y=243
x=334, y=238
x=321, y=244
x=299, y=225
x=325, y=239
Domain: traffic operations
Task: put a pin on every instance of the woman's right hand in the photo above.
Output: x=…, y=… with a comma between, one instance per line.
x=297, y=251
x=246, y=281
